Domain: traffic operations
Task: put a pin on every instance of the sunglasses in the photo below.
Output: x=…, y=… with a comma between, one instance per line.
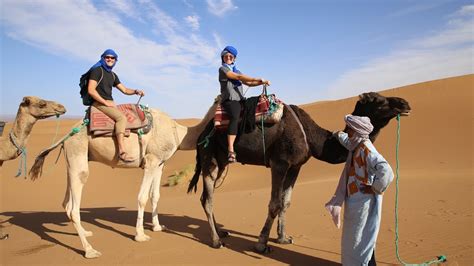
x=109, y=57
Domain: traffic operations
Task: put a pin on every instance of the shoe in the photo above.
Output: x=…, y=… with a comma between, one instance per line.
x=231, y=157
x=123, y=157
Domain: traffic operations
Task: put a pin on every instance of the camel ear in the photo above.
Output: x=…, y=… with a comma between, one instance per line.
x=26, y=101
x=365, y=97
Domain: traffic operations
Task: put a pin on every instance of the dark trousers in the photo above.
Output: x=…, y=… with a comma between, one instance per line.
x=372, y=260
x=233, y=109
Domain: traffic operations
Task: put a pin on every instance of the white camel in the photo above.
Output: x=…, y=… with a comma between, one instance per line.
x=31, y=109
x=164, y=139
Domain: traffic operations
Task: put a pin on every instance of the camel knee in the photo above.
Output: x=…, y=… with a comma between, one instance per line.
x=83, y=175
x=142, y=199
x=274, y=208
x=155, y=197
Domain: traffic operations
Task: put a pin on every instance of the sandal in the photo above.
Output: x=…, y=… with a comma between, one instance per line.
x=231, y=157
x=123, y=157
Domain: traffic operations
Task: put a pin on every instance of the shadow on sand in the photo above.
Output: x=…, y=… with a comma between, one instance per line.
x=183, y=226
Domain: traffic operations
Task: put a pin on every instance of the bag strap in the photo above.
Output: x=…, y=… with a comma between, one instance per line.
x=101, y=77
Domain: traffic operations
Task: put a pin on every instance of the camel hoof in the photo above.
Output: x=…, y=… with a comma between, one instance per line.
x=92, y=254
x=263, y=248
x=159, y=228
x=88, y=233
x=142, y=238
x=217, y=245
x=223, y=234
x=4, y=236
x=285, y=240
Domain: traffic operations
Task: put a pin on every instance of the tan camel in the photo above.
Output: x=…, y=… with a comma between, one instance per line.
x=31, y=109
x=157, y=147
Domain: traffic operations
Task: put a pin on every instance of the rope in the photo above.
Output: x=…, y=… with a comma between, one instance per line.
x=57, y=129
x=263, y=128
x=438, y=259
x=21, y=152
x=206, y=139
x=22, y=161
x=74, y=131
x=53, y=141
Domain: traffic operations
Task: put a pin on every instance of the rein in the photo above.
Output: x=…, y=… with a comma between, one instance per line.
x=438, y=259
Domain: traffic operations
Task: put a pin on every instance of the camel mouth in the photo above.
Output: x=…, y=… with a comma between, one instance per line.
x=405, y=114
x=50, y=115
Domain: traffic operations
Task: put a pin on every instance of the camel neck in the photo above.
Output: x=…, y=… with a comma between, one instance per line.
x=22, y=126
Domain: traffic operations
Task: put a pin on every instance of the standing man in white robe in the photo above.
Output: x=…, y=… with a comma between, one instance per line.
x=365, y=177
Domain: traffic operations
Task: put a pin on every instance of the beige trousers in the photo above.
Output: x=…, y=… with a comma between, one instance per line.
x=116, y=115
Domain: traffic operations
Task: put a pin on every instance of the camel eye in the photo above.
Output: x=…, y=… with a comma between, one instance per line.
x=42, y=104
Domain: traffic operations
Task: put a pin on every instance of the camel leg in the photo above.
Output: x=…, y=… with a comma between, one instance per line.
x=279, y=170
x=207, y=204
x=218, y=173
x=152, y=167
x=290, y=180
x=67, y=202
x=78, y=173
x=155, y=197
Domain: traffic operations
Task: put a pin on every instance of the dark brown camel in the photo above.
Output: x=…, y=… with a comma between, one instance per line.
x=288, y=147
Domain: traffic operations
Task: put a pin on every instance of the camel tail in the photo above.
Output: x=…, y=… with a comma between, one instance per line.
x=197, y=173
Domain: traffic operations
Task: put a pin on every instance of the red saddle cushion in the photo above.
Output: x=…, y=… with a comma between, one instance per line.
x=221, y=118
x=101, y=122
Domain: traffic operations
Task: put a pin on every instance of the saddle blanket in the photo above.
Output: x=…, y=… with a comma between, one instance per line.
x=100, y=123
x=269, y=108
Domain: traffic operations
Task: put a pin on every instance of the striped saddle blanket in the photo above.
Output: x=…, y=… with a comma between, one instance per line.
x=269, y=108
x=102, y=125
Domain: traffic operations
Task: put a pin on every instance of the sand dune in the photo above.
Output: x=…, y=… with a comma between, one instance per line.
x=435, y=212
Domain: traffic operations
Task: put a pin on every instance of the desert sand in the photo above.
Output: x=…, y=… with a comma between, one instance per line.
x=435, y=198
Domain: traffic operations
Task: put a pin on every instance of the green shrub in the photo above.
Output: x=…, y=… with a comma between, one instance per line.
x=179, y=176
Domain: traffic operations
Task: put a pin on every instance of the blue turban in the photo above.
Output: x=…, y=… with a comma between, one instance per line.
x=102, y=63
x=229, y=49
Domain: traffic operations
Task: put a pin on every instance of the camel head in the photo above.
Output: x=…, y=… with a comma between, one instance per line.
x=380, y=109
x=39, y=108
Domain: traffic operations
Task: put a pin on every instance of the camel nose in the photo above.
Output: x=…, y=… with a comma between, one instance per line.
x=60, y=109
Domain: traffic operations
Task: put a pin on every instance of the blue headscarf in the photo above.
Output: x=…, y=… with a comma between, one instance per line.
x=232, y=51
x=102, y=63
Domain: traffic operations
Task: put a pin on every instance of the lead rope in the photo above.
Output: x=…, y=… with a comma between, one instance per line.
x=263, y=128
x=440, y=258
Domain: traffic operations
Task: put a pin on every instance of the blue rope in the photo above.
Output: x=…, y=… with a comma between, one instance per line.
x=22, y=162
x=438, y=259
x=206, y=139
x=57, y=129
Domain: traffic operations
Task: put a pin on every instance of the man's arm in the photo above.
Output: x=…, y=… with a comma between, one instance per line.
x=129, y=91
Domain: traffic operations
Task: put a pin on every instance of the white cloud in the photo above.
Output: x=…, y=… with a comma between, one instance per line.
x=173, y=60
x=193, y=21
x=220, y=7
x=448, y=52
x=126, y=7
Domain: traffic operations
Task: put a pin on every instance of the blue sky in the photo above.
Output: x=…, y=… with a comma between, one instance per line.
x=310, y=50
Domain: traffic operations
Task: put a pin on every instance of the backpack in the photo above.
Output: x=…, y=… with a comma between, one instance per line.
x=87, y=100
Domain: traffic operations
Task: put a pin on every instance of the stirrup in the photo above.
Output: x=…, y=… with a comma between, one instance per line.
x=231, y=157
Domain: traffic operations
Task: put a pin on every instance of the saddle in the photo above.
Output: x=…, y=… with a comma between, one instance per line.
x=139, y=120
x=269, y=109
